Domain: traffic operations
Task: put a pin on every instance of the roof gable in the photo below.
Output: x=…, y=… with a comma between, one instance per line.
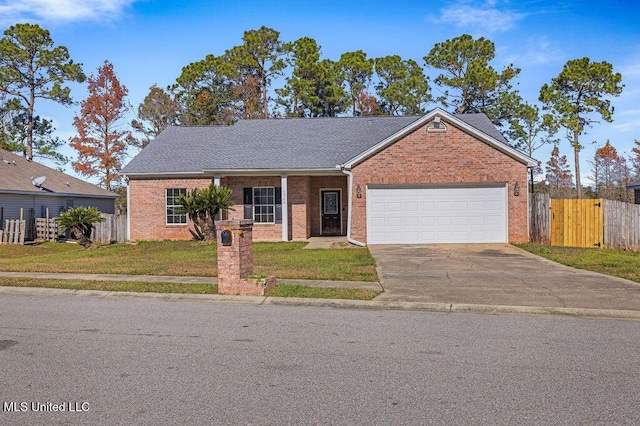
x=17, y=173
x=477, y=125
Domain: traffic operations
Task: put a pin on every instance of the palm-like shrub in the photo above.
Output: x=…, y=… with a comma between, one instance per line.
x=202, y=206
x=80, y=220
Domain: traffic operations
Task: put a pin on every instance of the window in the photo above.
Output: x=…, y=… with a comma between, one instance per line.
x=264, y=204
x=173, y=218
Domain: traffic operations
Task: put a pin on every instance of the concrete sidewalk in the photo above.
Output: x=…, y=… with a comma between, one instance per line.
x=460, y=278
x=180, y=279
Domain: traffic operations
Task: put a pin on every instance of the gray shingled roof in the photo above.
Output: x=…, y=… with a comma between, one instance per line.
x=274, y=144
x=16, y=175
x=482, y=123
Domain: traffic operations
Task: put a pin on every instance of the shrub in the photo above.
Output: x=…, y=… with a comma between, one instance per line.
x=80, y=220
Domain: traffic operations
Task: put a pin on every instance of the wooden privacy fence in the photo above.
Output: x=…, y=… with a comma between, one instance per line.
x=13, y=232
x=539, y=218
x=46, y=229
x=584, y=223
x=622, y=225
x=114, y=228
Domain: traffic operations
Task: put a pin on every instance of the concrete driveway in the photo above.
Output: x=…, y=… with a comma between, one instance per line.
x=494, y=274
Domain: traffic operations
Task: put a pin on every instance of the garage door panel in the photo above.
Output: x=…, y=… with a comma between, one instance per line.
x=436, y=215
x=461, y=220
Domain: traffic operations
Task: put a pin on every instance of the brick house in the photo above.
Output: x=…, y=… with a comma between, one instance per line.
x=437, y=178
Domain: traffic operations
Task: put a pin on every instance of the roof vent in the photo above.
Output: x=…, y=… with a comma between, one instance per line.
x=436, y=125
x=38, y=181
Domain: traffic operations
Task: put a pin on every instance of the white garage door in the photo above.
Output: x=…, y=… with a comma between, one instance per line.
x=422, y=215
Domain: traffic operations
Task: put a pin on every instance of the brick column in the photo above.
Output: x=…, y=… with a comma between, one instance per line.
x=235, y=261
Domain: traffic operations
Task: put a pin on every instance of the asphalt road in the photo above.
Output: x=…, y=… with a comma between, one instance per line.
x=145, y=361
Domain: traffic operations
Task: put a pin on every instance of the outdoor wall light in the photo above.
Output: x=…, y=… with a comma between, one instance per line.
x=516, y=189
x=358, y=191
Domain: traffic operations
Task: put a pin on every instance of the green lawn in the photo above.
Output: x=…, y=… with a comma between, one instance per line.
x=283, y=260
x=283, y=290
x=617, y=263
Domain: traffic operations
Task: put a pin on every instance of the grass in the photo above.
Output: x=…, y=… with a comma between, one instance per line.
x=181, y=258
x=289, y=260
x=184, y=258
x=157, y=258
x=134, y=286
x=292, y=290
x=616, y=263
x=285, y=290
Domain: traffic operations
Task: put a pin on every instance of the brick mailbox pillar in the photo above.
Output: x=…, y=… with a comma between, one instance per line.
x=235, y=260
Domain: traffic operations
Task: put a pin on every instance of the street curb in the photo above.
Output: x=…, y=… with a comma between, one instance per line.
x=539, y=310
x=40, y=291
x=448, y=308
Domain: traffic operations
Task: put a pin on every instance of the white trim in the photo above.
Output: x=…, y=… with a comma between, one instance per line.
x=234, y=172
x=285, y=207
x=339, y=191
x=506, y=212
x=167, y=205
x=57, y=194
x=253, y=205
x=129, y=212
x=453, y=120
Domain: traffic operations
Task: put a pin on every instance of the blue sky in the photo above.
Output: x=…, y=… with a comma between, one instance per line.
x=149, y=41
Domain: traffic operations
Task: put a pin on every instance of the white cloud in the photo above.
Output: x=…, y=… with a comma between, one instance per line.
x=630, y=68
x=12, y=11
x=627, y=126
x=486, y=17
x=538, y=51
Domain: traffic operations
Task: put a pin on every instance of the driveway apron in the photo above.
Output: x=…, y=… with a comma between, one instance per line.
x=494, y=274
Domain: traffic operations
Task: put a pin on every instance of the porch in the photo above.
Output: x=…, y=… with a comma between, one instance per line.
x=315, y=205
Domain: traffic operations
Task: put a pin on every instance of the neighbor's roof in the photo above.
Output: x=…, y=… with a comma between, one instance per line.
x=288, y=144
x=634, y=185
x=16, y=176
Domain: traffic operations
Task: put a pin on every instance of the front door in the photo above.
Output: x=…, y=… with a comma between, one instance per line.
x=331, y=222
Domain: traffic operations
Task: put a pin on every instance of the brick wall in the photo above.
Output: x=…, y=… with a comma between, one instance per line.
x=147, y=208
x=442, y=157
x=261, y=231
x=148, y=214
x=299, y=209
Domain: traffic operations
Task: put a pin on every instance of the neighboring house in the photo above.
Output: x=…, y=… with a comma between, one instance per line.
x=35, y=188
x=636, y=191
x=437, y=178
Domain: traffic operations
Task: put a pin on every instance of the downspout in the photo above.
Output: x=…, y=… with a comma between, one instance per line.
x=128, y=210
x=349, y=203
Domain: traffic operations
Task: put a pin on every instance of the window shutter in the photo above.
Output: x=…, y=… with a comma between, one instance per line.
x=248, y=203
x=278, y=202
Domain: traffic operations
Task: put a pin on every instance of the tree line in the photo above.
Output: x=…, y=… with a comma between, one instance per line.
x=266, y=77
